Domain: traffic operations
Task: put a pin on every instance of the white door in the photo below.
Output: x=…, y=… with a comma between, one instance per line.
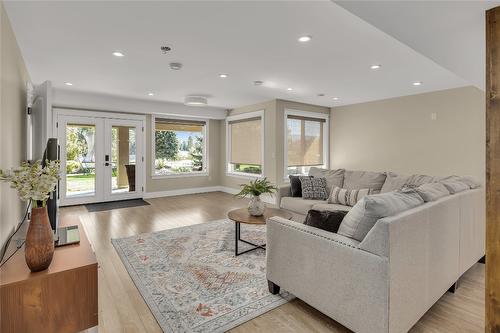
x=101, y=159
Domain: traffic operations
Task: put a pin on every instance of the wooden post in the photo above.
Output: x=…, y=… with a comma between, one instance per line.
x=492, y=171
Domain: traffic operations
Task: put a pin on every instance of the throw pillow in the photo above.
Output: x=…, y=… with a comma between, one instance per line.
x=296, y=186
x=325, y=220
x=347, y=197
x=432, y=191
x=417, y=180
x=355, y=180
x=394, y=182
x=333, y=177
x=455, y=186
x=470, y=181
x=314, y=188
x=363, y=216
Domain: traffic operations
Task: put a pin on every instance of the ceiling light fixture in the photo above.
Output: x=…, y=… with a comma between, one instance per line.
x=223, y=76
x=321, y=95
x=175, y=66
x=289, y=89
x=195, y=100
x=151, y=94
x=257, y=83
x=304, y=39
x=375, y=66
x=118, y=54
x=417, y=83
x=336, y=98
x=68, y=83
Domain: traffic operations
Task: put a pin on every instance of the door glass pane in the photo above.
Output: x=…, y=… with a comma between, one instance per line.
x=123, y=159
x=80, y=160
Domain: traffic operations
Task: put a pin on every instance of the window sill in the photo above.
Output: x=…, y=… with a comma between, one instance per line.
x=243, y=175
x=182, y=175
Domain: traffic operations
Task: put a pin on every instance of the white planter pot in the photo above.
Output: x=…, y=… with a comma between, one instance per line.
x=256, y=207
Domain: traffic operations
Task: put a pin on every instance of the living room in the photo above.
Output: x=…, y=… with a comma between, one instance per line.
x=238, y=166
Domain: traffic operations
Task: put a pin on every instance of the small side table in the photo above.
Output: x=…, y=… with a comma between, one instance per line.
x=241, y=215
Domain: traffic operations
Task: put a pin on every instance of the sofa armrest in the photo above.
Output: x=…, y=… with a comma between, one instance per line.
x=283, y=191
x=327, y=270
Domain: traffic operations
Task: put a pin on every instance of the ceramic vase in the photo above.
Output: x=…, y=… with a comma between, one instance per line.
x=39, y=247
x=256, y=207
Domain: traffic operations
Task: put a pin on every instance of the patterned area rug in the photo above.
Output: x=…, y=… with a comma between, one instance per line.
x=191, y=280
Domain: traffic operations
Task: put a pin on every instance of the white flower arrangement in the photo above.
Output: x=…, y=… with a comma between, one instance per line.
x=33, y=182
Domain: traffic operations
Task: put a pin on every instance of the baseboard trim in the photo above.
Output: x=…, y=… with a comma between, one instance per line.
x=150, y=195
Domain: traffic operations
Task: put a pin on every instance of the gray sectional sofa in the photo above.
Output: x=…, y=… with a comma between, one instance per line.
x=386, y=281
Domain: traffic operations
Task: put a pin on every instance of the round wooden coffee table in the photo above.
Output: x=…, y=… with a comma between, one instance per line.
x=241, y=215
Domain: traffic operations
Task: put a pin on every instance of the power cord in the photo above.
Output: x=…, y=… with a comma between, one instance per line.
x=19, y=244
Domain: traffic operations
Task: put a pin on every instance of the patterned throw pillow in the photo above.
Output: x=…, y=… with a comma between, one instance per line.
x=347, y=197
x=314, y=188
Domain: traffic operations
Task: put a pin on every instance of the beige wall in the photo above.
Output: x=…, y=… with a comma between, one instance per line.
x=169, y=184
x=12, y=123
x=399, y=135
x=274, y=122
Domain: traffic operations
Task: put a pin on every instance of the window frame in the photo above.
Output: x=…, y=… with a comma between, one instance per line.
x=203, y=173
x=326, y=137
x=248, y=115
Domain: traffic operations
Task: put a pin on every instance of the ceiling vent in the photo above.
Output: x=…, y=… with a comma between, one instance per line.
x=175, y=66
x=195, y=100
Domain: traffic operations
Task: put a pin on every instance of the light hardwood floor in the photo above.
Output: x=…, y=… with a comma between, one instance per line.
x=122, y=309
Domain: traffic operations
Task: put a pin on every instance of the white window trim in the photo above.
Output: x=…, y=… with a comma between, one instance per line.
x=206, y=131
x=243, y=116
x=326, y=137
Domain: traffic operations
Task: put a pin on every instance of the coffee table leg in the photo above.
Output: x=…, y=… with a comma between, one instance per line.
x=236, y=238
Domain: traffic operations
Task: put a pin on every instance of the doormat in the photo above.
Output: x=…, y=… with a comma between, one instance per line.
x=102, y=206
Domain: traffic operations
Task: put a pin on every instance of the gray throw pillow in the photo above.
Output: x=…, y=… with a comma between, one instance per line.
x=356, y=180
x=432, y=191
x=363, y=216
x=394, y=182
x=417, y=180
x=313, y=188
x=333, y=177
x=455, y=186
x=470, y=181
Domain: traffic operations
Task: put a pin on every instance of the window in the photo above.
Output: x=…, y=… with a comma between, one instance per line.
x=245, y=144
x=306, y=142
x=179, y=147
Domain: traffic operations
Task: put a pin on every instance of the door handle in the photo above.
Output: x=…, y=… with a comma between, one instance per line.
x=106, y=164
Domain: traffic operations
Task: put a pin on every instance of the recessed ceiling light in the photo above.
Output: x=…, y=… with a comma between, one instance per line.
x=417, y=83
x=223, y=76
x=336, y=98
x=289, y=89
x=195, y=100
x=321, y=95
x=175, y=66
x=118, y=54
x=68, y=83
x=257, y=83
x=151, y=94
x=304, y=39
x=375, y=66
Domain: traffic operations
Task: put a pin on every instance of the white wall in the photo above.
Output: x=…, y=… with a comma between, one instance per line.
x=14, y=77
x=400, y=135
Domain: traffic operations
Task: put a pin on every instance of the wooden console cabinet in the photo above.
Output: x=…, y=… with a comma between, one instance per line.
x=62, y=298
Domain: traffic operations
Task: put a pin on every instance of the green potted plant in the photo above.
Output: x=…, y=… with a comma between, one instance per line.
x=34, y=184
x=254, y=189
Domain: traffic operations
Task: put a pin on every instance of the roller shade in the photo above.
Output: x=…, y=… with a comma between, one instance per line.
x=305, y=141
x=246, y=141
x=178, y=125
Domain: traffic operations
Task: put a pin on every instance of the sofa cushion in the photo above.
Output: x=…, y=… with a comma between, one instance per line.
x=330, y=207
x=355, y=180
x=314, y=188
x=295, y=186
x=417, y=180
x=363, y=216
x=298, y=205
x=394, y=182
x=470, y=181
x=432, y=191
x=347, y=197
x=333, y=177
x=325, y=220
x=455, y=186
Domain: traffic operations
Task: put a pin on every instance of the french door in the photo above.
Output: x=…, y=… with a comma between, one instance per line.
x=101, y=159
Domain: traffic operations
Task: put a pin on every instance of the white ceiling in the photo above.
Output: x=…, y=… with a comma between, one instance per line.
x=73, y=41
x=451, y=33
